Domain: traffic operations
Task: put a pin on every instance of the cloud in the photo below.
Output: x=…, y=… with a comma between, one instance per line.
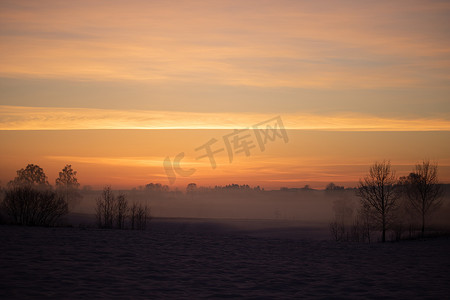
x=143, y=162
x=247, y=43
x=43, y=118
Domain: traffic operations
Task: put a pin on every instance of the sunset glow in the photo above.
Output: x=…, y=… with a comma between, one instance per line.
x=210, y=149
x=116, y=87
x=38, y=118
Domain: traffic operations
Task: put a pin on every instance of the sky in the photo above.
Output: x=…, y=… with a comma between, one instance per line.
x=116, y=87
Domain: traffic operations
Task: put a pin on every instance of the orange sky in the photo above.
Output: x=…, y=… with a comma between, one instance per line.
x=107, y=86
x=129, y=158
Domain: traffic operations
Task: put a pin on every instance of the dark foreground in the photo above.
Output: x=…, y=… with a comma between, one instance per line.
x=193, y=259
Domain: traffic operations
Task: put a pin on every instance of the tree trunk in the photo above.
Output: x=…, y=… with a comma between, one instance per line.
x=423, y=224
x=383, y=237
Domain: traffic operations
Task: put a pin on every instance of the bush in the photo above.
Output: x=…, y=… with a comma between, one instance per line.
x=33, y=205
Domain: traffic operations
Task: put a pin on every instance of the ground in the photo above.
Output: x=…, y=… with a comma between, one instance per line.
x=215, y=259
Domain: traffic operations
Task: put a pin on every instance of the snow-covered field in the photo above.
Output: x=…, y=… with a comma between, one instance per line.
x=193, y=258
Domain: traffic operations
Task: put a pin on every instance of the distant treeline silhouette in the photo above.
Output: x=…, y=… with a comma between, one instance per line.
x=386, y=204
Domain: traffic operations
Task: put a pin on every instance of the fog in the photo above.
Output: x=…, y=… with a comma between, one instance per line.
x=317, y=207
x=292, y=204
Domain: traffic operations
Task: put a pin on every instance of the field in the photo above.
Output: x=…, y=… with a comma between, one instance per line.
x=205, y=258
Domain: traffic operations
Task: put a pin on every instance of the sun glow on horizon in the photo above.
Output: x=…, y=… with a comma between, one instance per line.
x=117, y=87
x=54, y=118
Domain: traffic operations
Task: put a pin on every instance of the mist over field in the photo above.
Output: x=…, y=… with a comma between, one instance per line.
x=303, y=205
x=217, y=244
x=232, y=204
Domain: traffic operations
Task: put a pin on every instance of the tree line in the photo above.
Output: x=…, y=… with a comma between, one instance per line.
x=388, y=203
x=30, y=200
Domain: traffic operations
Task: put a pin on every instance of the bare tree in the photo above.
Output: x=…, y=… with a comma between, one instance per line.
x=343, y=212
x=337, y=230
x=142, y=217
x=363, y=224
x=113, y=212
x=133, y=215
x=121, y=211
x=31, y=206
x=378, y=191
x=423, y=190
x=366, y=219
x=139, y=215
x=105, y=210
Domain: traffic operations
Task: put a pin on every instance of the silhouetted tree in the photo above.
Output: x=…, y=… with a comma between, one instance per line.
x=31, y=175
x=423, y=190
x=106, y=206
x=121, y=211
x=67, y=178
x=378, y=191
x=337, y=230
x=2, y=216
x=343, y=212
x=67, y=185
x=156, y=187
x=332, y=187
x=143, y=215
x=139, y=215
x=33, y=206
x=235, y=186
x=191, y=189
x=365, y=221
x=133, y=215
x=113, y=212
x=30, y=200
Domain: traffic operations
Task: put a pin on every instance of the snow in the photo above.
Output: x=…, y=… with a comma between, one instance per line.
x=205, y=258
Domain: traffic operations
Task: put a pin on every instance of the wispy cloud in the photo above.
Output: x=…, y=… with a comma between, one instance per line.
x=42, y=118
x=252, y=43
x=144, y=162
